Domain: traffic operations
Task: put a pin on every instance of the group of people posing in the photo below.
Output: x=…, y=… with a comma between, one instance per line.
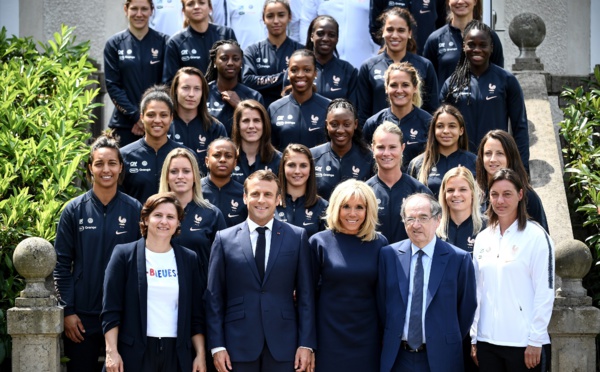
x=276, y=208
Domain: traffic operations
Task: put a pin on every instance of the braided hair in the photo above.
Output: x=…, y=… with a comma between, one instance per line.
x=461, y=77
x=211, y=72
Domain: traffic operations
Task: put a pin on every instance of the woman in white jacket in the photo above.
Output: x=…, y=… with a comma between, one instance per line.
x=514, y=267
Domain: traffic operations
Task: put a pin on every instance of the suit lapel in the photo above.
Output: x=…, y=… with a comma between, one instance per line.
x=142, y=282
x=403, y=269
x=438, y=267
x=243, y=235
x=276, y=241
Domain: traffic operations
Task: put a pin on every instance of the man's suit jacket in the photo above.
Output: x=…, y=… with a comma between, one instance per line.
x=243, y=313
x=126, y=299
x=450, y=301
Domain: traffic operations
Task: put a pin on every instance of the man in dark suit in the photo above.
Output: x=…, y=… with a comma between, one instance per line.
x=426, y=294
x=252, y=323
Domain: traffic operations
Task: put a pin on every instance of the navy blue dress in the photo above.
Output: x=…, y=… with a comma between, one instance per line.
x=348, y=331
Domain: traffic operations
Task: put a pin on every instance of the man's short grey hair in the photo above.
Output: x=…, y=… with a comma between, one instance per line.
x=435, y=207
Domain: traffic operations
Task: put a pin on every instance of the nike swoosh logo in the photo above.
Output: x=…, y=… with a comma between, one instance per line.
x=424, y=11
x=192, y=229
x=306, y=224
x=121, y=232
x=411, y=143
x=154, y=62
x=335, y=89
x=199, y=151
x=492, y=97
x=313, y=129
x=232, y=215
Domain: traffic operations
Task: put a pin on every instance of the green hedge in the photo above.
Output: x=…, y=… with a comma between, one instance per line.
x=46, y=104
x=581, y=151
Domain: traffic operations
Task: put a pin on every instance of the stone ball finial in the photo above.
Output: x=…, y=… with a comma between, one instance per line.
x=573, y=259
x=527, y=30
x=34, y=259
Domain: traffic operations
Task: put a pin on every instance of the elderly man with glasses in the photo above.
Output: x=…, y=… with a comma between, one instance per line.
x=426, y=294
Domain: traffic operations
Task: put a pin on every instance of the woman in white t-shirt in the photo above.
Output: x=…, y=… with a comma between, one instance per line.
x=152, y=308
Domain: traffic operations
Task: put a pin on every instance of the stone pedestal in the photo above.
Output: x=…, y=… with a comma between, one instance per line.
x=575, y=322
x=527, y=31
x=36, y=322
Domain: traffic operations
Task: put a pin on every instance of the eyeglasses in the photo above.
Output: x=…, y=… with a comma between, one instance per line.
x=422, y=220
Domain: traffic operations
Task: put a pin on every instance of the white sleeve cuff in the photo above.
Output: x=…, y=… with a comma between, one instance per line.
x=216, y=350
x=307, y=348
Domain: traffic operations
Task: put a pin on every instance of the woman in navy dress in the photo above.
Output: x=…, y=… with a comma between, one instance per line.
x=223, y=76
x=346, y=155
x=346, y=257
x=252, y=136
x=447, y=147
x=497, y=150
x=300, y=204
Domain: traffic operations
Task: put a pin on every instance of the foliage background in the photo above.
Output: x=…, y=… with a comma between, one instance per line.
x=581, y=150
x=46, y=104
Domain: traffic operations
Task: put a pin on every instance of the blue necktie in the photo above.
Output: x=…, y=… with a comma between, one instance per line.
x=415, y=325
x=259, y=254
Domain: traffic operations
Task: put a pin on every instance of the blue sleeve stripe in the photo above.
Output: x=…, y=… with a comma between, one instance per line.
x=550, y=262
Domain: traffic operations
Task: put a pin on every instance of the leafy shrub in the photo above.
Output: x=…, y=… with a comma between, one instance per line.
x=46, y=102
x=581, y=151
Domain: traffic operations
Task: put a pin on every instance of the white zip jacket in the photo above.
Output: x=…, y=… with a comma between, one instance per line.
x=515, y=286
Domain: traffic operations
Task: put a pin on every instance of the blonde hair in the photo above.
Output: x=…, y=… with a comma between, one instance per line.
x=388, y=127
x=415, y=79
x=391, y=128
x=340, y=196
x=465, y=174
x=197, y=187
